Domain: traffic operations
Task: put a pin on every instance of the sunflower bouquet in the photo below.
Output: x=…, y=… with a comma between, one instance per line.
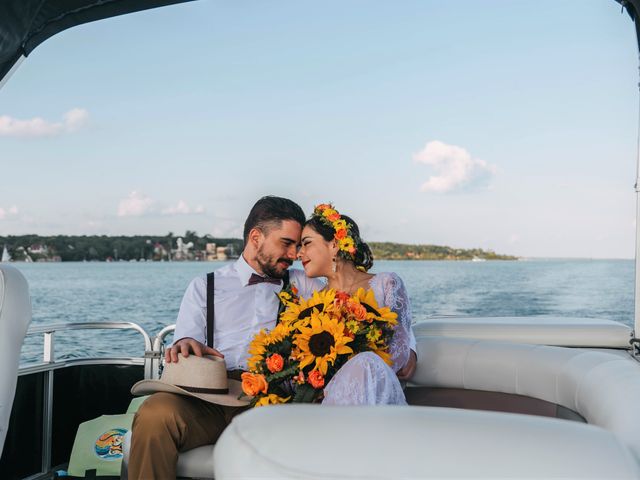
x=313, y=339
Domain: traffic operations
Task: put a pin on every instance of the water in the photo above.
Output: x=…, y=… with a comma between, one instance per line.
x=149, y=294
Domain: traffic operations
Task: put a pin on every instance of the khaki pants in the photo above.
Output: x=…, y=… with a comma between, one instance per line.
x=167, y=424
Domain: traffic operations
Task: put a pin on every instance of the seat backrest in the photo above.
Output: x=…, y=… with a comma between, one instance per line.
x=601, y=386
x=15, y=317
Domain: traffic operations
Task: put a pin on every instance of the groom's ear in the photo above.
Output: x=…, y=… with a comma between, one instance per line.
x=255, y=237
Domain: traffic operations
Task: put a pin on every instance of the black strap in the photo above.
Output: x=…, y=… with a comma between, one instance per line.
x=210, y=308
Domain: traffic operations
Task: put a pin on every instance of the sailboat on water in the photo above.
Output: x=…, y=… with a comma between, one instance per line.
x=5, y=255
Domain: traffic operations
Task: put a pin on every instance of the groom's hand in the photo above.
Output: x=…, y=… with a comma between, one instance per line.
x=406, y=372
x=189, y=345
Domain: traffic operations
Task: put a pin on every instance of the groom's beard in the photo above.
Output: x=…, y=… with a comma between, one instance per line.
x=270, y=265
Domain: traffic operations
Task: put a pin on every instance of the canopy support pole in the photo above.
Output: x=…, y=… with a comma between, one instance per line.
x=636, y=307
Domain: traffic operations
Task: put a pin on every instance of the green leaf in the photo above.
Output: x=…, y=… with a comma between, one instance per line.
x=284, y=373
x=305, y=393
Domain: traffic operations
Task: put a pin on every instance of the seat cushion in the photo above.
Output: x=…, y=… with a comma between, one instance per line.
x=196, y=463
x=390, y=442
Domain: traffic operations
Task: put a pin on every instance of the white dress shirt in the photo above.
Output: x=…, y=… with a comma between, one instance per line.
x=241, y=310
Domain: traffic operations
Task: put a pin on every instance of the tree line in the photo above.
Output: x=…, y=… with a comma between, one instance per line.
x=151, y=247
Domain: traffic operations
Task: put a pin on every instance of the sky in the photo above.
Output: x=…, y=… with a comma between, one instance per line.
x=503, y=125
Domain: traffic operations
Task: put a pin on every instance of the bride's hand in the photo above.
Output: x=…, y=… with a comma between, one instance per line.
x=189, y=345
x=406, y=372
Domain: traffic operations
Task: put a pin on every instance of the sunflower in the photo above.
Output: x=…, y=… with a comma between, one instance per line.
x=321, y=301
x=257, y=349
x=374, y=312
x=321, y=342
x=279, y=333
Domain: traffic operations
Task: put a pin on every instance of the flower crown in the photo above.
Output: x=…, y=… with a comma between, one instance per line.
x=342, y=230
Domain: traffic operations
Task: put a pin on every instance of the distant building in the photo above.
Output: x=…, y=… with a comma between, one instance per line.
x=222, y=253
x=210, y=252
x=38, y=249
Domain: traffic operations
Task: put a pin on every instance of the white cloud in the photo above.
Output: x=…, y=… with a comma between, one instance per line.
x=135, y=205
x=72, y=121
x=455, y=167
x=5, y=213
x=182, y=208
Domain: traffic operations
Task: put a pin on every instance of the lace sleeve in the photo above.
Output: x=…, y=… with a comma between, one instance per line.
x=397, y=299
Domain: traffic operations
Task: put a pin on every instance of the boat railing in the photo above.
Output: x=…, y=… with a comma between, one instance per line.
x=49, y=353
x=158, y=348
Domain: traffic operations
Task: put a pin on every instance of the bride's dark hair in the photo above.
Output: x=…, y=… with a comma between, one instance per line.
x=363, y=257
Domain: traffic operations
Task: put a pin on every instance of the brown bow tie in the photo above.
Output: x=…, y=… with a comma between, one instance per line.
x=255, y=279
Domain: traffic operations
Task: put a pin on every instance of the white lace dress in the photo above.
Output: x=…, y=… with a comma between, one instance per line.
x=366, y=379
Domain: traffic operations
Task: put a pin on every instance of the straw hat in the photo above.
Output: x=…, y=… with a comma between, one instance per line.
x=201, y=377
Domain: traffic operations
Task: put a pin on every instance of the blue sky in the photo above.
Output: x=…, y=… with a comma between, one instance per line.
x=509, y=126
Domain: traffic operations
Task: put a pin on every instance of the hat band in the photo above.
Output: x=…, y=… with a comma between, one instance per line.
x=204, y=390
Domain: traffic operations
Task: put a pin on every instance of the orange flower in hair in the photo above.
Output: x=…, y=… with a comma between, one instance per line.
x=341, y=229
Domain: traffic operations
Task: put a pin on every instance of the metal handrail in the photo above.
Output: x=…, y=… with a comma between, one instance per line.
x=158, y=340
x=49, y=358
x=92, y=326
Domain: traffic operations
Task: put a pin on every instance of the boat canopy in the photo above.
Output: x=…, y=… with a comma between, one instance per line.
x=25, y=24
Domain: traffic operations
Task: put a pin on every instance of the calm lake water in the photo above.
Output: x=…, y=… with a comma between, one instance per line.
x=149, y=294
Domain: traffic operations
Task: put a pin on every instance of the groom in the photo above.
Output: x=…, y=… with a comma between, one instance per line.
x=245, y=302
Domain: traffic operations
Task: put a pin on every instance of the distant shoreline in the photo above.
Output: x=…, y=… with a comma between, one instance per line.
x=191, y=246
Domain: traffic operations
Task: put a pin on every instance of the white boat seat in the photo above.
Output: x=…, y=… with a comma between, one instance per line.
x=392, y=442
x=602, y=387
x=196, y=463
x=559, y=331
x=15, y=317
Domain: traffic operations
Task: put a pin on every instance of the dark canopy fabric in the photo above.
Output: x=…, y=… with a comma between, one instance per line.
x=25, y=24
x=633, y=7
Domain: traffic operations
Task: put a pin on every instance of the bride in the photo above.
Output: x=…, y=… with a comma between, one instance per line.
x=331, y=247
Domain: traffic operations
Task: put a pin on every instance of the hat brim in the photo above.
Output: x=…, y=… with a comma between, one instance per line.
x=146, y=387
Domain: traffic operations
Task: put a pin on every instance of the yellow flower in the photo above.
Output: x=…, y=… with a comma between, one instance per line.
x=375, y=312
x=340, y=225
x=346, y=244
x=329, y=212
x=374, y=334
x=320, y=301
x=352, y=326
x=271, y=399
x=382, y=353
x=321, y=342
x=284, y=297
x=279, y=333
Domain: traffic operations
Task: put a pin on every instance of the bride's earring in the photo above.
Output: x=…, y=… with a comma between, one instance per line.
x=333, y=265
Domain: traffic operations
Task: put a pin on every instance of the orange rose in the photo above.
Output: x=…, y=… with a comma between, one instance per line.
x=333, y=217
x=352, y=250
x=323, y=206
x=275, y=363
x=340, y=234
x=254, y=383
x=316, y=379
x=358, y=310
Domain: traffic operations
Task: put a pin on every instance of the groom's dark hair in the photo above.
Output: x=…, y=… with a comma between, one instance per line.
x=269, y=212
